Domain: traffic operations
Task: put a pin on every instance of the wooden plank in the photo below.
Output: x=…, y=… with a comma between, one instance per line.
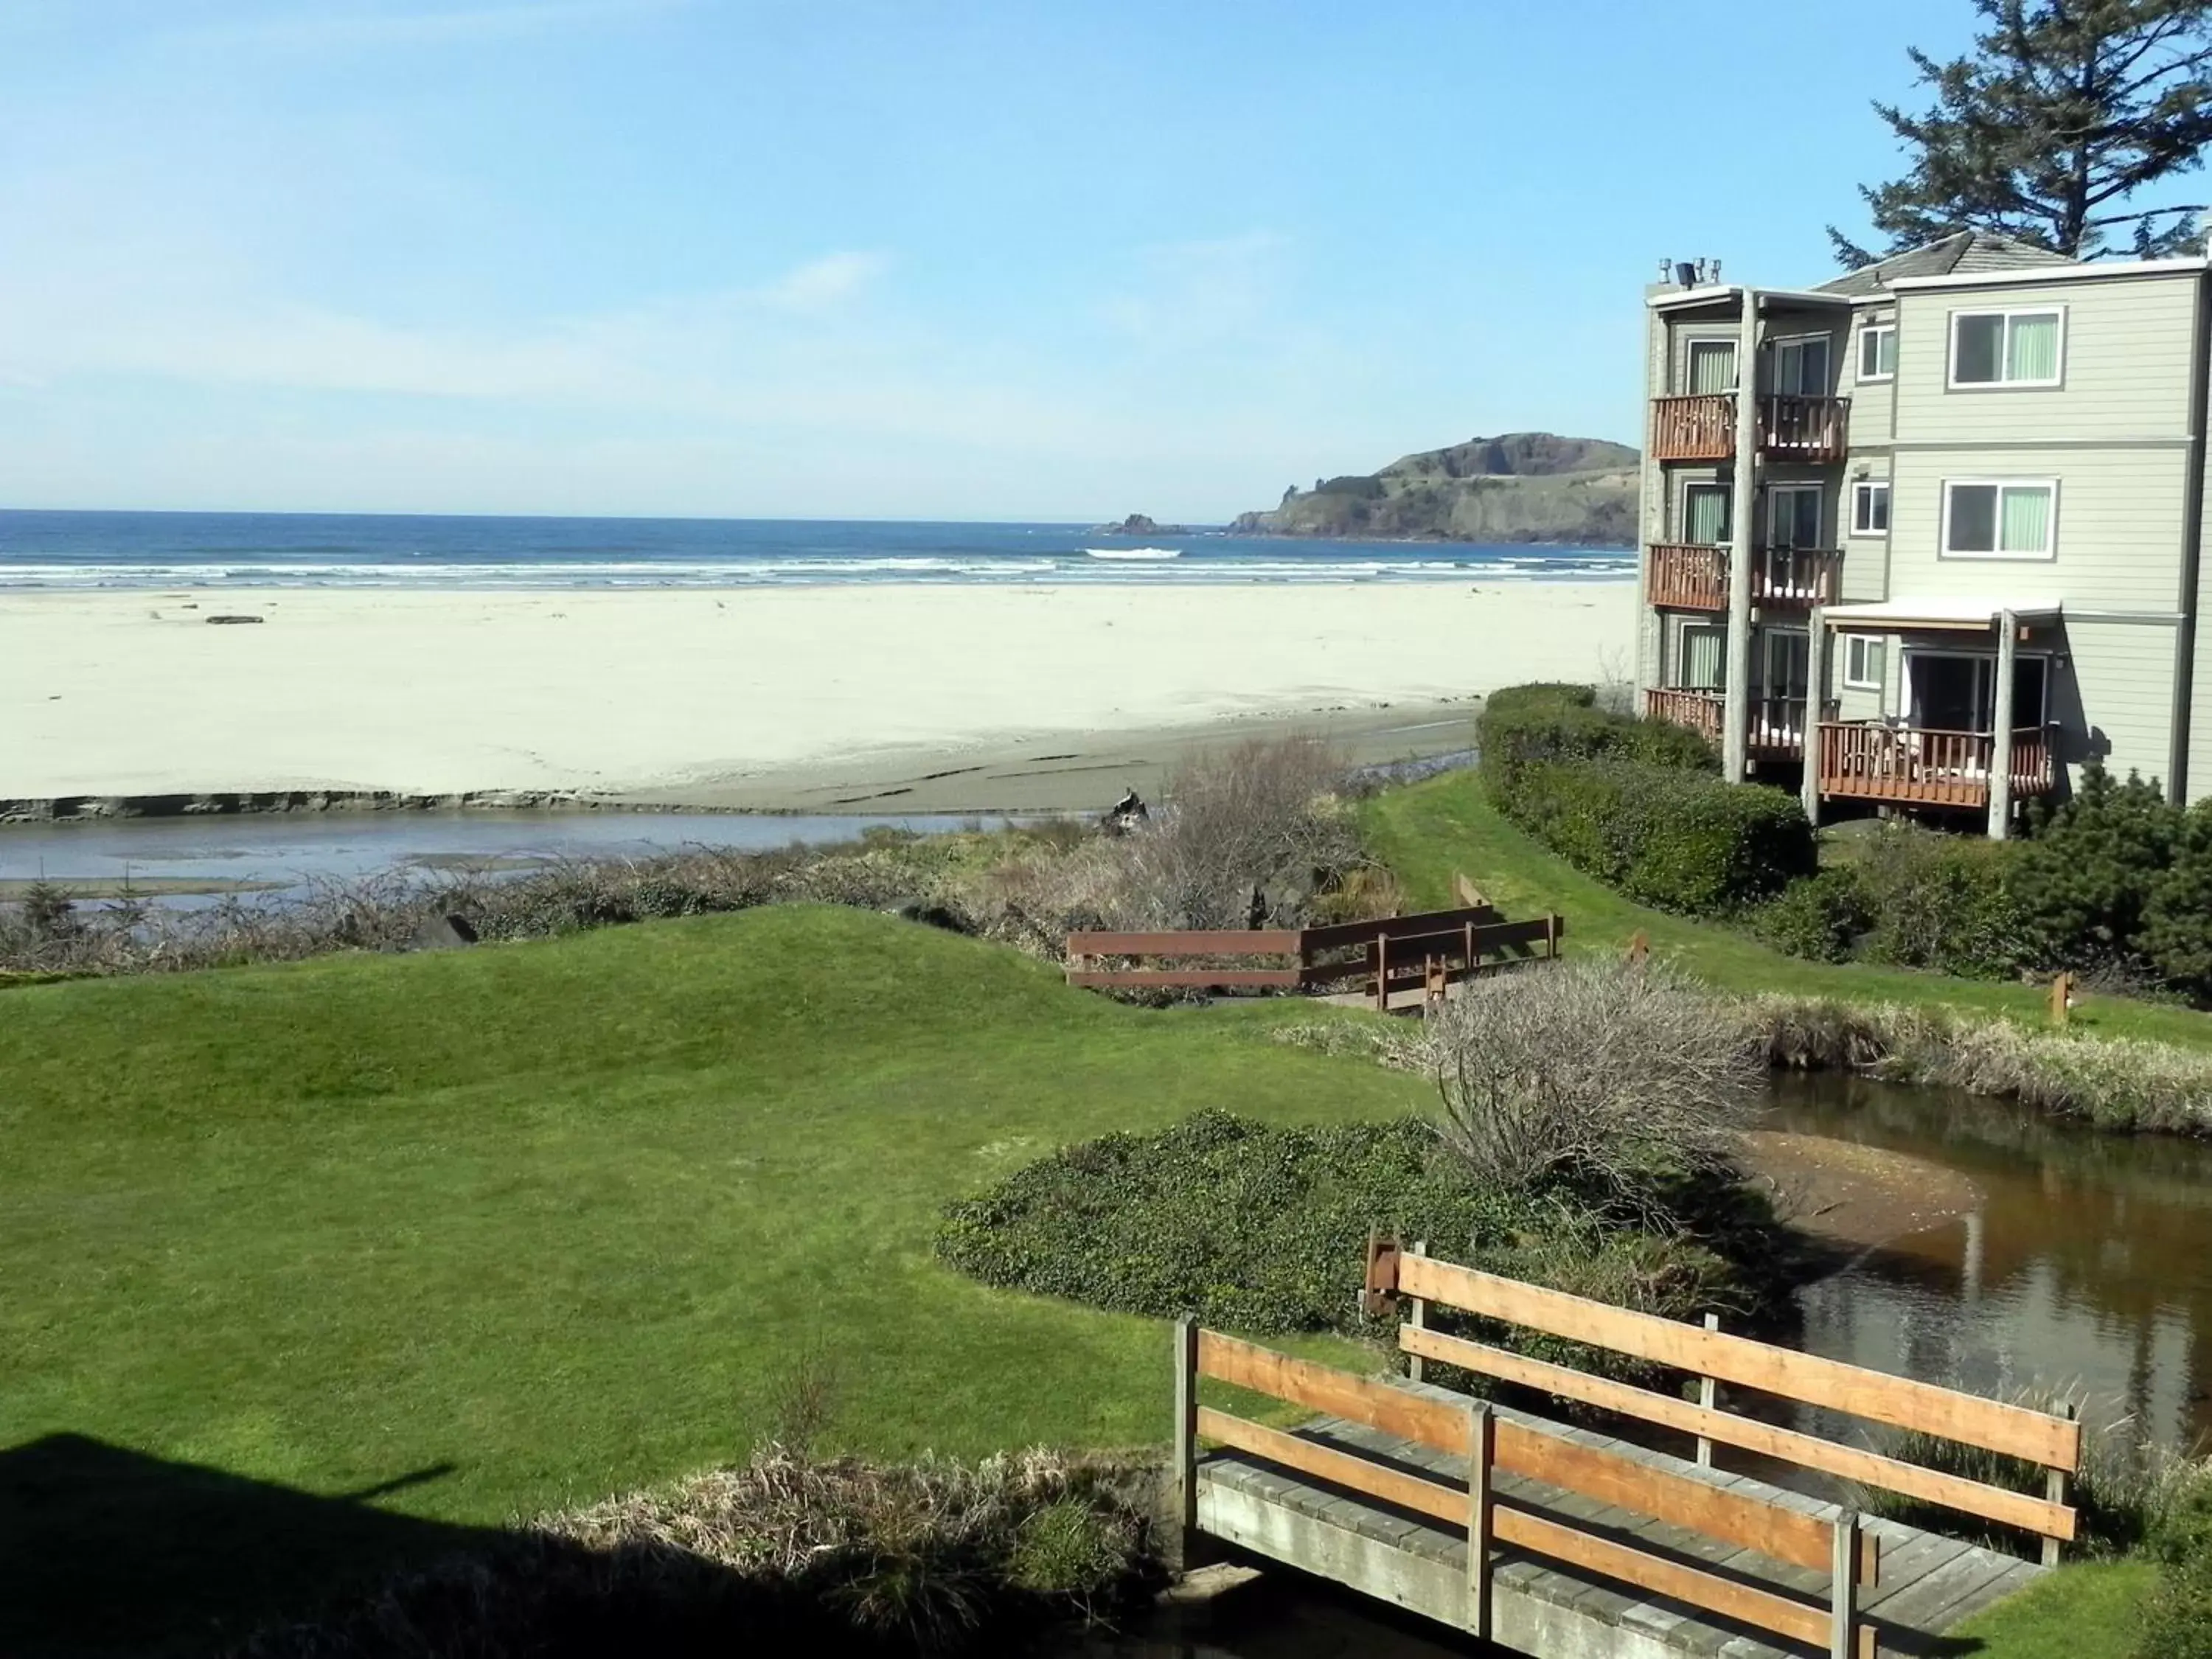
x=1248, y=978
x=2009, y=1509
x=1762, y=1609
x=1803, y=1540
x=1342, y=933
x=1340, y=1393
x=1902, y=1402
x=1186, y=1434
x=1338, y=1468
x=1221, y=943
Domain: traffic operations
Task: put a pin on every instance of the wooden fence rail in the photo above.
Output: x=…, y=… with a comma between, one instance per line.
x=1431, y=949
x=2050, y=1439
x=1491, y=1443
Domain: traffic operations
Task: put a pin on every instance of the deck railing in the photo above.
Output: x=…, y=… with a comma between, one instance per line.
x=1777, y=724
x=1701, y=427
x=1687, y=576
x=1796, y=578
x=1700, y=711
x=1870, y=760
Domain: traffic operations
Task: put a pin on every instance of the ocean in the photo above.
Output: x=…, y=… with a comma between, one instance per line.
x=53, y=549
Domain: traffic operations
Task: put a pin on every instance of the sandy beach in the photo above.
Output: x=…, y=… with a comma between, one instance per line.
x=844, y=697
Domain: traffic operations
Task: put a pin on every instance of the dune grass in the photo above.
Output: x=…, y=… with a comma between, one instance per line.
x=1427, y=832
x=524, y=1225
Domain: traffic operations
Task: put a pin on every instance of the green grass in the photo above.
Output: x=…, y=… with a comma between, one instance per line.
x=549, y=1221
x=2082, y=1612
x=1429, y=831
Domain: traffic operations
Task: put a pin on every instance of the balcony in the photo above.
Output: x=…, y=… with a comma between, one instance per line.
x=1777, y=723
x=1688, y=576
x=1871, y=760
x=1702, y=428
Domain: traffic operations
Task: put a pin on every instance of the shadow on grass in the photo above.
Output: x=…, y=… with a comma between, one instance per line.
x=104, y=1550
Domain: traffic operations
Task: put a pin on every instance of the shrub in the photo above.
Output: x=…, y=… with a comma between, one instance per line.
x=1674, y=839
x=1943, y=902
x=2176, y=1615
x=1621, y=1078
x=1361, y=486
x=2177, y=917
x=2084, y=878
x=1525, y=726
x=1820, y=918
x=1264, y=1229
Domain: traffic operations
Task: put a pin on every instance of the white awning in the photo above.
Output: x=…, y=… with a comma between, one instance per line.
x=1899, y=616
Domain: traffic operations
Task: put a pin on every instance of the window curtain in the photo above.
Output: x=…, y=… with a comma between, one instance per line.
x=1712, y=367
x=1703, y=658
x=2026, y=521
x=1708, y=516
x=2031, y=349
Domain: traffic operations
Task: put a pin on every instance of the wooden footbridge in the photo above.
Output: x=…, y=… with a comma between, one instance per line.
x=1565, y=1542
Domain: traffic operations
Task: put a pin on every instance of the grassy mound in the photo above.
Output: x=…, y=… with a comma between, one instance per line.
x=500, y=1231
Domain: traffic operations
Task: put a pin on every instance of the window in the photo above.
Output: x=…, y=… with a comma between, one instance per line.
x=1705, y=513
x=1712, y=367
x=1801, y=367
x=1862, y=662
x=1793, y=515
x=2007, y=347
x=1878, y=352
x=1870, y=508
x=1999, y=520
x=1704, y=657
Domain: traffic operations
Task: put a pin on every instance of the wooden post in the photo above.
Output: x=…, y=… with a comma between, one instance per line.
x=1743, y=504
x=1381, y=973
x=1482, y=1449
x=2054, y=1488
x=1184, y=1452
x=2062, y=999
x=1638, y=948
x=1844, y=1592
x=1551, y=936
x=1709, y=1392
x=1816, y=698
x=2000, y=824
x=1467, y=950
x=1417, y=1368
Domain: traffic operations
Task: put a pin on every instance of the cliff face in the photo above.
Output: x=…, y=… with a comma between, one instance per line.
x=1519, y=487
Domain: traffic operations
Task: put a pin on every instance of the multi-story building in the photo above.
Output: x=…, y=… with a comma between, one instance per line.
x=1940, y=546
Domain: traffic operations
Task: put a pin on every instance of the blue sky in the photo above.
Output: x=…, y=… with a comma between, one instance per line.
x=875, y=259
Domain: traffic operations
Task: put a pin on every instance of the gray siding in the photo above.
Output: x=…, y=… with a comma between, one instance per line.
x=1872, y=401
x=2124, y=369
x=2117, y=538
x=2116, y=698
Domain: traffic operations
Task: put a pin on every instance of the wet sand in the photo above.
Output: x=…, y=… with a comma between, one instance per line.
x=919, y=698
x=1854, y=1196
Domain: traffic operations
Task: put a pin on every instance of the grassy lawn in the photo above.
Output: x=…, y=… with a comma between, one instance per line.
x=1427, y=832
x=2083, y=1611
x=488, y=1231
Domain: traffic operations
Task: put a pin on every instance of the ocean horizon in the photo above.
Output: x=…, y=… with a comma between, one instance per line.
x=44, y=549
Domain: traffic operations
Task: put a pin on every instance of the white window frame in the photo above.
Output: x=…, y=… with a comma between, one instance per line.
x=1861, y=643
x=1713, y=342
x=1943, y=549
x=2004, y=343
x=1870, y=330
x=1862, y=489
x=1774, y=359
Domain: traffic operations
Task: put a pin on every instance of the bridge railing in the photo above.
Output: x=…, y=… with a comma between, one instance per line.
x=1490, y=1444
x=2051, y=1440
x=1434, y=948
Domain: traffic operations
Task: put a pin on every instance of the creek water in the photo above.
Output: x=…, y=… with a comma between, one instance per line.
x=2087, y=1266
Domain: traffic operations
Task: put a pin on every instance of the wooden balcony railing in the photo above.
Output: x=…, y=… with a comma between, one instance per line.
x=1797, y=577
x=1698, y=428
x=1868, y=760
x=1687, y=576
x=1805, y=429
x=1700, y=711
x=1702, y=428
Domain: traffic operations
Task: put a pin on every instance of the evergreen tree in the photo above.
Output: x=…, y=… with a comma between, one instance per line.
x=2045, y=131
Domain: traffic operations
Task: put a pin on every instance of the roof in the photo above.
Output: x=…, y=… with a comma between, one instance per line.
x=1964, y=252
x=1893, y=614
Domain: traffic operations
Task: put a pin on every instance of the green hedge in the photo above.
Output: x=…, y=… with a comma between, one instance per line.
x=1638, y=803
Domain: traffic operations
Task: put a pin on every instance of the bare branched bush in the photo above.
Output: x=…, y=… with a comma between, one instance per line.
x=1249, y=835
x=1612, y=1074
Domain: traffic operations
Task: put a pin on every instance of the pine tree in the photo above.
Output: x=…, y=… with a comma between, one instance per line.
x=2063, y=110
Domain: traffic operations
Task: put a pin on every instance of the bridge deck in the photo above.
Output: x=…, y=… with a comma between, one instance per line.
x=1929, y=1583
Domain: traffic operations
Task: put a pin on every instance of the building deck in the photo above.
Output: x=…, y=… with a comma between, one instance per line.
x=1928, y=1583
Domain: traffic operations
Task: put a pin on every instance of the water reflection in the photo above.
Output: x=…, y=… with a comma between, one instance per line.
x=2089, y=1265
